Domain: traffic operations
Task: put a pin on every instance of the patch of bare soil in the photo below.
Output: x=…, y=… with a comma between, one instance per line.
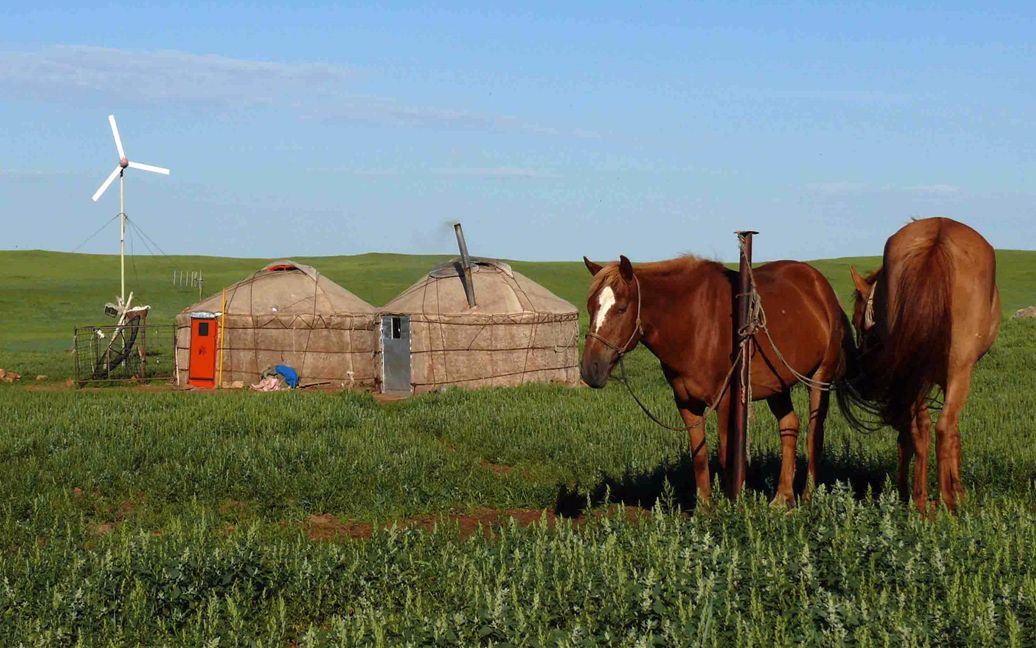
x=103, y=529
x=326, y=527
x=125, y=509
x=497, y=469
x=633, y=513
x=50, y=387
x=484, y=519
x=390, y=398
x=118, y=514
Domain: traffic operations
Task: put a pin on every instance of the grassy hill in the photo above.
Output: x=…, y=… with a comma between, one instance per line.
x=44, y=295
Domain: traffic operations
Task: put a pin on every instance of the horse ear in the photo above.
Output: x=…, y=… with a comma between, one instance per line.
x=625, y=268
x=861, y=284
x=594, y=268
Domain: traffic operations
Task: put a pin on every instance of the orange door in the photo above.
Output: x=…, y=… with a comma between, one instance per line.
x=202, y=369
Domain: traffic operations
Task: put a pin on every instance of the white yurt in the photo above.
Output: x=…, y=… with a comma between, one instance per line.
x=476, y=326
x=286, y=313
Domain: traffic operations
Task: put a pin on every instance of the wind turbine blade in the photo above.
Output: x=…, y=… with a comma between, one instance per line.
x=107, y=183
x=118, y=140
x=148, y=167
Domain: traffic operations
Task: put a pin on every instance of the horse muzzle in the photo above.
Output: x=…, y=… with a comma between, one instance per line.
x=595, y=369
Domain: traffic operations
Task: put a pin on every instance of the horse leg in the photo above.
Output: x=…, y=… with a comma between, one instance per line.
x=907, y=434
x=948, y=436
x=699, y=452
x=819, y=402
x=788, y=427
x=921, y=431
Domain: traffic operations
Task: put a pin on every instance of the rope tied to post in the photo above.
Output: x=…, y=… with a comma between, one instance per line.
x=757, y=322
x=746, y=335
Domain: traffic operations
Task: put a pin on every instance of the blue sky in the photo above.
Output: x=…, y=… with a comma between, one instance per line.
x=551, y=130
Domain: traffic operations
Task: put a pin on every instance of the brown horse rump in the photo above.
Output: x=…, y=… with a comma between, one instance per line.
x=937, y=282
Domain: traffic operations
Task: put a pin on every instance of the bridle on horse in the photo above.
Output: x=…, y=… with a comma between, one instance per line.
x=868, y=310
x=868, y=318
x=631, y=342
x=626, y=348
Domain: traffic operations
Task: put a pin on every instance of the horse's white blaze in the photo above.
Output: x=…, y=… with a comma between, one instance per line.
x=605, y=301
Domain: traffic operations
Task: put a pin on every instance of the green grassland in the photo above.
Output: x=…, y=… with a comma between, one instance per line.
x=45, y=295
x=136, y=517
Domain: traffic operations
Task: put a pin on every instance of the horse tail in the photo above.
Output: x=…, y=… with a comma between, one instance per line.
x=917, y=345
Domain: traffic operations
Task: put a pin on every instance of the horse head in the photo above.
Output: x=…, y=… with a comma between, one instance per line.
x=614, y=308
x=863, y=307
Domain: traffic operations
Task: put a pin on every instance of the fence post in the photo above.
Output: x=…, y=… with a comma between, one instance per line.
x=176, y=361
x=142, y=351
x=75, y=353
x=738, y=433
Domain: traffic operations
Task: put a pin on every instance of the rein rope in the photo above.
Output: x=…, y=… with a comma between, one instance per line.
x=676, y=428
x=628, y=346
x=757, y=322
x=746, y=335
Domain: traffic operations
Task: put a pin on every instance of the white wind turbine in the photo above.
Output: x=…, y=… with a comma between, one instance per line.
x=119, y=171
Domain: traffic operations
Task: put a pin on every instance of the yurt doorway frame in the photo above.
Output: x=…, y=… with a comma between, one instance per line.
x=395, y=354
x=201, y=370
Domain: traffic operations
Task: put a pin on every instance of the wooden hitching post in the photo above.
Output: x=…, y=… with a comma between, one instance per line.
x=739, y=392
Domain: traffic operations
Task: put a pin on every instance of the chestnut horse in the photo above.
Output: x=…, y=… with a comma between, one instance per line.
x=682, y=311
x=924, y=319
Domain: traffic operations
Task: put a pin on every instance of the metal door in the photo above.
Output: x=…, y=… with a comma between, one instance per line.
x=395, y=356
x=202, y=368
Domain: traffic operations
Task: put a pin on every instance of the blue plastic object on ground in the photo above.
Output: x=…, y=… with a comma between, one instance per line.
x=291, y=377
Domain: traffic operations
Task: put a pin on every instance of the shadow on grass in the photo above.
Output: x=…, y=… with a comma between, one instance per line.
x=673, y=483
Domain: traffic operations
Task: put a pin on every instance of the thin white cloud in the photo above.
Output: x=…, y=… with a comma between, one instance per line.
x=837, y=188
x=70, y=73
x=494, y=172
x=583, y=133
x=384, y=111
x=934, y=189
x=841, y=188
x=840, y=96
x=479, y=172
x=25, y=173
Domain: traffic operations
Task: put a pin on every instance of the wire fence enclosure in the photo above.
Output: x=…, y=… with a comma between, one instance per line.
x=136, y=351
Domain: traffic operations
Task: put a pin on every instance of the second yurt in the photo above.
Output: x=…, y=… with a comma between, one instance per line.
x=476, y=323
x=286, y=314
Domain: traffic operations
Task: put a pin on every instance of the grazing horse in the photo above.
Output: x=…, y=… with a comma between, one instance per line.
x=924, y=319
x=683, y=311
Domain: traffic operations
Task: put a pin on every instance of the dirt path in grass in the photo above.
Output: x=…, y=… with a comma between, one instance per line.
x=328, y=528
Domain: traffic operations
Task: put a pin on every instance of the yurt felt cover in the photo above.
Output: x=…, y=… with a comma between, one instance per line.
x=518, y=331
x=288, y=313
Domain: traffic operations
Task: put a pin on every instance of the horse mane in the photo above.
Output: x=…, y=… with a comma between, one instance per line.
x=911, y=357
x=680, y=266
